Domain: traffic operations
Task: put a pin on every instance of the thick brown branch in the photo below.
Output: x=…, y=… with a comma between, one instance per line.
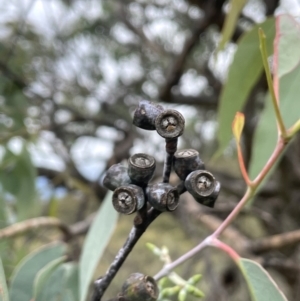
x=175, y=71
x=82, y=227
x=275, y=242
x=32, y=224
x=79, y=228
x=136, y=232
x=203, y=100
x=191, y=209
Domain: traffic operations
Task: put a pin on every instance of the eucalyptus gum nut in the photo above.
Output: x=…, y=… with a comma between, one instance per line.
x=163, y=196
x=141, y=168
x=116, y=176
x=203, y=186
x=145, y=115
x=170, y=124
x=210, y=201
x=185, y=161
x=128, y=199
x=139, y=287
x=134, y=277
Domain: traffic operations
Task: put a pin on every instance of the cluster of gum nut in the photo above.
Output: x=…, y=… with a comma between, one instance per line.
x=131, y=185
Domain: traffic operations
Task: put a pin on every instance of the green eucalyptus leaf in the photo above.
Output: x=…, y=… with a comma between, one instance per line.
x=287, y=44
x=60, y=284
x=265, y=139
x=3, y=285
x=244, y=72
x=3, y=210
x=95, y=243
x=261, y=286
x=288, y=74
x=16, y=107
x=73, y=282
x=22, y=281
x=17, y=176
x=44, y=274
x=231, y=19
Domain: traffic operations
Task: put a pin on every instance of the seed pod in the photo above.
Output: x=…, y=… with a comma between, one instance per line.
x=203, y=186
x=169, y=124
x=141, y=168
x=163, y=196
x=146, y=113
x=133, y=278
x=185, y=161
x=139, y=287
x=128, y=199
x=116, y=176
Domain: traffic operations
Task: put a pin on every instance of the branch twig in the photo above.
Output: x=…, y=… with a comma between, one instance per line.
x=136, y=232
x=247, y=196
x=275, y=241
x=171, y=146
x=35, y=223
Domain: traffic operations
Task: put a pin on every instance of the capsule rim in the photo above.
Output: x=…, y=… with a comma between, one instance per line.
x=178, y=156
x=143, y=155
x=178, y=131
x=191, y=183
x=128, y=188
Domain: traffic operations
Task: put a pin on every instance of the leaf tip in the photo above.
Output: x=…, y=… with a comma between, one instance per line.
x=238, y=125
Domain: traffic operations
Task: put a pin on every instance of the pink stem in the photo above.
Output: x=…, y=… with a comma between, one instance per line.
x=225, y=248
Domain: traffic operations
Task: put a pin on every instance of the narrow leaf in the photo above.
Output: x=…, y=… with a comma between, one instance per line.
x=287, y=78
x=235, y=8
x=261, y=286
x=23, y=276
x=3, y=285
x=73, y=282
x=265, y=139
x=264, y=54
x=244, y=72
x=95, y=243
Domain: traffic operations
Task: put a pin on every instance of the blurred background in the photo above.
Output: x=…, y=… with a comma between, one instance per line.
x=72, y=73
